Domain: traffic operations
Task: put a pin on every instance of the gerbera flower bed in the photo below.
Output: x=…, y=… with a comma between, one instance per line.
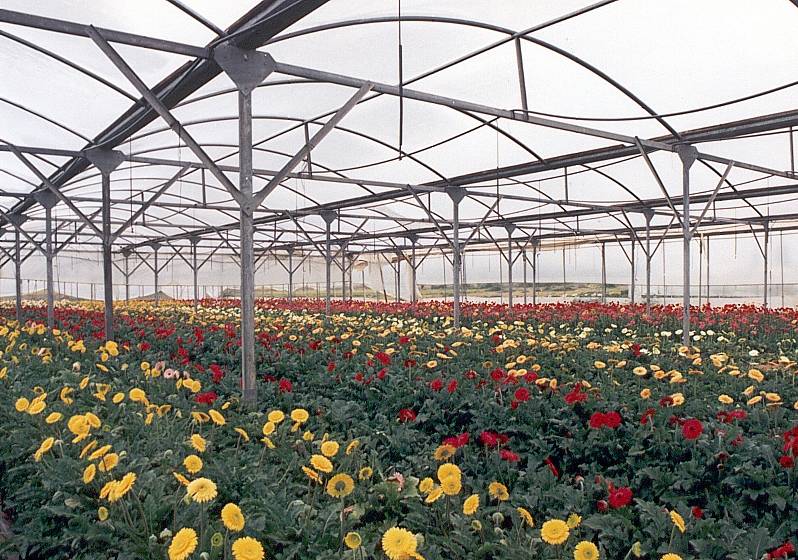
x=563, y=431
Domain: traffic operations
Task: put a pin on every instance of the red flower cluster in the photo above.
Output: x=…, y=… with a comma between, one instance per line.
x=575, y=395
x=605, y=420
x=783, y=551
x=492, y=439
x=216, y=373
x=619, y=497
x=407, y=415
x=458, y=441
x=729, y=416
x=208, y=397
x=692, y=429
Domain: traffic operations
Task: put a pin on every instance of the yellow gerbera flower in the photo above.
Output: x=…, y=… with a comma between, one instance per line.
x=216, y=417
x=498, y=491
x=321, y=463
x=247, y=548
x=88, y=473
x=300, y=415
x=108, y=462
x=399, y=544
x=329, y=448
x=471, y=504
x=555, y=531
x=340, y=485
x=183, y=544
x=198, y=443
x=193, y=464
x=444, y=452
x=232, y=517
x=526, y=516
x=678, y=520
x=202, y=490
x=586, y=550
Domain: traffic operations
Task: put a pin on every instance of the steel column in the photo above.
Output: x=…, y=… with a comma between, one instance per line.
x=648, y=215
x=156, y=269
x=688, y=155
x=632, y=263
x=48, y=255
x=106, y=161
x=247, y=250
x=413, y=272
x=765, y=247
x=290, y=275
x=524, y=263
x=603, y=273
x=18, y=275
x=195, y=270
x=535, y=245
x=328, y=218
x=457, y=196
x=127, y=276
x=510, y=229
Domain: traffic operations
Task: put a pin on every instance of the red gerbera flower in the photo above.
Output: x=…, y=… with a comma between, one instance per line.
x=407, y=415
x=620, y=497
x=286, y=386
x=522, y=394
x=692, y=429
x=509, y=456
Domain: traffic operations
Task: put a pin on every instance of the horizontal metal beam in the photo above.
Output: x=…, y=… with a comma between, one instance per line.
x=81, y=30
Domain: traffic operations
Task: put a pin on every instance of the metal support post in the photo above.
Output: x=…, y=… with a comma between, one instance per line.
x=328, y=217
x=247, y=250
x=535, y=245
x=156, y=269
x=18, y=276
x=765, y=247
x=413, y=272
x=510, y=228
x=290, y=274
x=106, y=161
x=632, y=263
x=48, y=200
x=603, y=273
x=524, y=263
x=126, y=254
x=398, y=278
x=195, y=270
x=648, y=214
x=688, y=154
x=457, y=196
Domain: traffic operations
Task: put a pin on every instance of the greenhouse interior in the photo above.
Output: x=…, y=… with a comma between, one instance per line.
x=398, y=279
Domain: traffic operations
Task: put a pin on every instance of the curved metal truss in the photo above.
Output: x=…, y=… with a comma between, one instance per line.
x=161, y=181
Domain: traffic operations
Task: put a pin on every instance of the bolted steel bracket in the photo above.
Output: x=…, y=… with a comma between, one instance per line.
x=510, y=228
x=457, y=194
x=328, y=216
x=688, y=154
x=103, y=159
x=46, y=198
x=648, y=213
x=17, y=219
x=247, y=69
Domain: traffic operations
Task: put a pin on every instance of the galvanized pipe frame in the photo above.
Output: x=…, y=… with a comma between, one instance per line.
x=85, y=30
x=535, y=120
